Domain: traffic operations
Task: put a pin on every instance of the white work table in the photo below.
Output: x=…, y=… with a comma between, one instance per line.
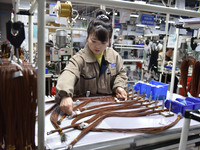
x=112, y=140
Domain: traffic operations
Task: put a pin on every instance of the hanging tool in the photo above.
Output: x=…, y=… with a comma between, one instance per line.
x=15, y=34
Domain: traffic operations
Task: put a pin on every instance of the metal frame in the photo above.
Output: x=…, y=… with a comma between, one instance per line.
x=189, y=114
x=41, y=44
x=30, y=30
x=141, y=6
x=41, y=73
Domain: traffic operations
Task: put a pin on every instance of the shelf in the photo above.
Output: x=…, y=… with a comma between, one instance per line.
x=133, y=60
x=129, y=47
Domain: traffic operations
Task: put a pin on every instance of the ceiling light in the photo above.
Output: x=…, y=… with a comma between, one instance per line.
x=141, y=25
x=173, y=22
x=134, y=15
x=157, y=27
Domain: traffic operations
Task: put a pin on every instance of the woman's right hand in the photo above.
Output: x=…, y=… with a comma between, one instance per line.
x=66, y=105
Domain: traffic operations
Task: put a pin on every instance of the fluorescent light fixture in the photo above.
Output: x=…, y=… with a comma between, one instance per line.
x=134, y=15
x=173, y=22
x=157, y=27
x=139, y=2
x=141, y=25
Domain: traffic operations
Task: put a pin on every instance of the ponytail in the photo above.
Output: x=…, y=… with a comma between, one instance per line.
x=101, y=26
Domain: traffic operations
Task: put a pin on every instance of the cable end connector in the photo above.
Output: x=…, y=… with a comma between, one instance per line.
x=48, y=133
x=69, y=147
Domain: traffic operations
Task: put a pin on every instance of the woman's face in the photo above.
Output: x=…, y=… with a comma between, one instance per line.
x=169, y=53
x=95, y=45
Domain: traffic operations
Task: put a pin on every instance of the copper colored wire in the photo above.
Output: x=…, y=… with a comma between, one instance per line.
x=139, y=130
x=108, y=114
x=105, y=104
x=54, y=118
x=103, y=113
x=50, y=109
x=117, y=107
x=96, y=106
x=86, y=130
x=83, y=98
x=51, y=101
x=198, y=89
x=102, y=98
x=195, y=79
x=184, y=74
x=110, y=109
x=107, y=110
x=18, y=94
x=99, y=114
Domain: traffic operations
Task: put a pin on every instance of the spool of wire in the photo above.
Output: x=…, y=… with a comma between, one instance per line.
x=63, y=9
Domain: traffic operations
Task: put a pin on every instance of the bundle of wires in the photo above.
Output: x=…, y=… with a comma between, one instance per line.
x=133, y=107
x=194, y=85
x=18, y=102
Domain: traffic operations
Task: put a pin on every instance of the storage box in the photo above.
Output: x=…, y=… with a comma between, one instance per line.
x=146, y=88
x=154, y=88
x=143, y=88
x=160, y=90
x=195, y=101
x=177, y=106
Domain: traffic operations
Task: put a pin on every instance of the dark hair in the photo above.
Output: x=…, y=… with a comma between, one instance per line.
x=167, y=49
x=101, y=26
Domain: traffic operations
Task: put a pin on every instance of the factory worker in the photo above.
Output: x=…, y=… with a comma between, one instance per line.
x=168, y=57
x=168, y=62
x=96, y=68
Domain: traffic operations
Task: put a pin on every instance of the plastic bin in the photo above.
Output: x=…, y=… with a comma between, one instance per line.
x=154, y=88
x=143, y=88
x=146, y=88
x=137, y=86
x=195, y=101
x=177, y=107
x=159, y=90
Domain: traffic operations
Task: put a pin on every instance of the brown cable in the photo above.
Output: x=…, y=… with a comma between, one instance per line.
x=139, y=130
x=54, y=118
x=111, y=111
x=105, y=115
x=117, y=107
x=184, y=74
x=18, y=105
x=195, y=79
x=100, y=114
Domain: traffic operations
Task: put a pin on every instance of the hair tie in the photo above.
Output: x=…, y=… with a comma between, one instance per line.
x=99, y=26
x=102, y=17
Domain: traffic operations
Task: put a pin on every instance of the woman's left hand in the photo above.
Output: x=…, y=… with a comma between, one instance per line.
x=121, y=93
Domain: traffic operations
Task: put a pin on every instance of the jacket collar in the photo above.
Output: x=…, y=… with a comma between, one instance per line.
x=108, y=55
x=89, y=56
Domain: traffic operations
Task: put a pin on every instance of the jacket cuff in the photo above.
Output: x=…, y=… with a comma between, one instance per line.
x=60, y=94
x=116, y=86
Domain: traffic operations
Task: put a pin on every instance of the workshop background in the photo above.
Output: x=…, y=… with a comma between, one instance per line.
x=139, y=36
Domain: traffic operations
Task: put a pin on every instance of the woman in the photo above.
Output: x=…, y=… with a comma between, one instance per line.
x=168, y=62
x=96, y=68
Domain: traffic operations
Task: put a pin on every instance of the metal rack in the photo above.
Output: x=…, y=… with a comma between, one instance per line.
x=189, y=114
x=41, y=44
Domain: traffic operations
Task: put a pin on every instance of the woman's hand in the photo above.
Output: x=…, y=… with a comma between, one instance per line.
x=66, y=105
x=121, y=93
